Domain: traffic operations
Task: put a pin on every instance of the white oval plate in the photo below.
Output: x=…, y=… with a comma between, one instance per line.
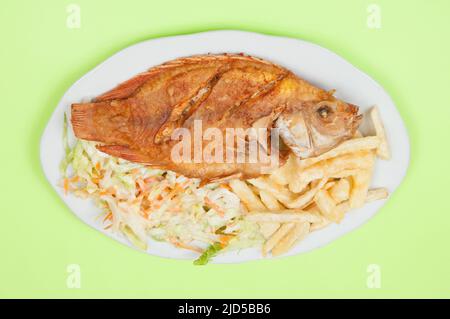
x=309, y=61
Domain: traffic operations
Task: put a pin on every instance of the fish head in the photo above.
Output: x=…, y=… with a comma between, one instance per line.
x=318, y=126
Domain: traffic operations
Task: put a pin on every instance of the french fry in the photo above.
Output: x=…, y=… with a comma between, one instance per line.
x=336, y=216
x=339, y=211
x=383, y=150
x=313, y=209
x=344, y=207
x=243, y=191
x=276, y=237
x=269, y=200
x=304, y=176
x=340, y=191
x=334, y=166
x=296, y=234
x=376, y=194
x=316, y=191
x=297, y=185
x=307, y=197
x=278, y=191
x=325, y=203
x=320, y=224
x=360, y=187
x=268, y=228
x=284, y=216
x=349, y=146
x=328, y=185
x=360, y=159
x=282, y=174
x=345, y=173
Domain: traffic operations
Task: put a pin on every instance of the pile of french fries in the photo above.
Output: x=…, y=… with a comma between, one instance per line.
x=308, y=194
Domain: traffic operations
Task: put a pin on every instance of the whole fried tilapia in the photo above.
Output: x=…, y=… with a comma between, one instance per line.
x=137, y=119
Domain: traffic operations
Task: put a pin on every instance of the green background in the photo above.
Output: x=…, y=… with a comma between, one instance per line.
x=409, y=238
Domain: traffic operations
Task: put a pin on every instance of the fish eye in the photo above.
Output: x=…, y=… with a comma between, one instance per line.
x=324, y=111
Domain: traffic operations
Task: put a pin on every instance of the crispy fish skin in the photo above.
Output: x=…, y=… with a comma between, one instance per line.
x=135, y=121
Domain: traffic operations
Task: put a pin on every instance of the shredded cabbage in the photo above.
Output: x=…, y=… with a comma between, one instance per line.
x=139, y=201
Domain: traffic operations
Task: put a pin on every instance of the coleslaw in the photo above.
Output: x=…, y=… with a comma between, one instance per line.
x=141, y=202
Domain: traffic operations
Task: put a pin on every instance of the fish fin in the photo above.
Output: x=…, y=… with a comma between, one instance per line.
x=124, y=152
x=125, y=89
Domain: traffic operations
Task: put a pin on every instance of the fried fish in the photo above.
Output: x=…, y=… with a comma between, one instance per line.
x=137, y=120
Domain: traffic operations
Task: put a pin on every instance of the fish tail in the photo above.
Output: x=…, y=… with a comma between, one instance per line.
x=101, y=122
x=83, y=121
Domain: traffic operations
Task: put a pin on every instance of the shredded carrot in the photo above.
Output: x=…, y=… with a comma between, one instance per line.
x=224, y=239
x=156, y=205
x=214, y=206
x=149, y=180
x=141, y=184
x=98, y=167
x=178, y=188
x=226, y=186
x=144, y=195
x=66, y=185
x=110, y=191
x=108, y=216
x=145, y=213
x=75, y=179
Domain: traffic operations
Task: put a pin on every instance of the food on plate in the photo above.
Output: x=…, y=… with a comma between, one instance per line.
x=121, y=157
x=383, y=150
x=138, y=119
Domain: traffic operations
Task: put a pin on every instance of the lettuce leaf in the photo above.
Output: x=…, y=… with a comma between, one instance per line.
x=208, y=254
